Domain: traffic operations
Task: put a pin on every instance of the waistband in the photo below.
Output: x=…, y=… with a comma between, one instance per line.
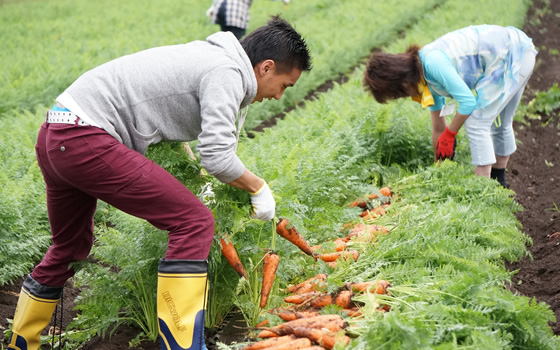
x=63, y=117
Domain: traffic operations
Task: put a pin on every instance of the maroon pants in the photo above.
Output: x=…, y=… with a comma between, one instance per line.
x=81, y=164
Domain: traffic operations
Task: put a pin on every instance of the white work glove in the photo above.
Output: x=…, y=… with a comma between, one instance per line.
x=210, y=11
x=263, y=203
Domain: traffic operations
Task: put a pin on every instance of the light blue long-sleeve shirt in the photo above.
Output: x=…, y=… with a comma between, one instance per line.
x=477, y=66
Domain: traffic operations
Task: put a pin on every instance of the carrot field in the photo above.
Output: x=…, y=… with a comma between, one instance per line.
x=373, y=246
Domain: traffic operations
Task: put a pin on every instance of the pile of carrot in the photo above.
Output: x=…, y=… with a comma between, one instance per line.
x=318, y=332
x=304, y=326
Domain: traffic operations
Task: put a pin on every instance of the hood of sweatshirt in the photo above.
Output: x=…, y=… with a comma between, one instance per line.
x=230, y=44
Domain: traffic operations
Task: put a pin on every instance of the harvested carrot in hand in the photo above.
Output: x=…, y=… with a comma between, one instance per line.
x=270, y=342
x=377, y=287
x=345, y=254
x=292, y=235
x=230, y=253
x=323, y=338
x=270, y=265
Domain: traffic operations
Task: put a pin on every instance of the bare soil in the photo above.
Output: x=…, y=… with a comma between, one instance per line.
x=533, y=173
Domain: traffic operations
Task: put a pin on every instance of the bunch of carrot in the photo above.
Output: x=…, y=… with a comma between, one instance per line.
x=271, y=260
x=373, y=206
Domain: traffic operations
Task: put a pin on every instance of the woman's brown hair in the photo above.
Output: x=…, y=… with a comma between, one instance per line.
x=388, y=75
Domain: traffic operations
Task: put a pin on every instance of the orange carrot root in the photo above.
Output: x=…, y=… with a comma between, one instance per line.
x=333, y=323
x=314, y=279
x=386, y=191
x=323, y=338
x=292, y=235
x=298, y=343
x=270, y=342
x=301, y=298
x=345, y=254
x=229, y=252
x=270, y=265
x=377, y=287
x=262, y=324
x=343, y=299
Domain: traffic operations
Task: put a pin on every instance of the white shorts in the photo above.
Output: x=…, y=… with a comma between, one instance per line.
x=489, y=136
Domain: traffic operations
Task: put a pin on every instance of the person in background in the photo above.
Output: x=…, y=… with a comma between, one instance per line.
x=92, y=147
x=485, y=68
x=230, y=15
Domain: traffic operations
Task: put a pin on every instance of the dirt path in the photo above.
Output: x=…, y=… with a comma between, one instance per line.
x=534, y=170
x=533, y=173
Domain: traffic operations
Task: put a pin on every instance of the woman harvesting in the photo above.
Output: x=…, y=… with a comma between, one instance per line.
x=484, y=68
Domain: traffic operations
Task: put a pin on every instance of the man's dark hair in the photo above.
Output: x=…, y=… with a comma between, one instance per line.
x=277, y=41
x=386, y=74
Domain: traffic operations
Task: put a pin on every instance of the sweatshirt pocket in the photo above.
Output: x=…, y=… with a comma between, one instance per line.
x=141, y=142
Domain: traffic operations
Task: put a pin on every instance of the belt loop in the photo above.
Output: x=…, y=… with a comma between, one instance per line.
x=77, y=120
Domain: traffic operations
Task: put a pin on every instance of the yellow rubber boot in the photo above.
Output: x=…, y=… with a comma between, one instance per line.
x=181, y=303
x=34, y=310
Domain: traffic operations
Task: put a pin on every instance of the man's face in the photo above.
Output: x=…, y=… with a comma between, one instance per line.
x=271, y=84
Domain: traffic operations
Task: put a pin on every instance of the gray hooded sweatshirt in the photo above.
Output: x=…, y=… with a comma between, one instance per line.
x=174, y=93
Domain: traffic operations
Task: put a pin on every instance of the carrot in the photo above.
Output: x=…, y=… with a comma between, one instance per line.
x=323, y=338
x=270, y=265
x=314, y=347
x=377, y=287
x=311, y=287
x=316, y=278
x=229, y=252
x=262, y=324
x=321, y=301
x=345, y=254
x=353, y=312
x=266, y=333
x=386, y=191
x=289, y=232
x=373, y=196
x=343, y=299
x=372, y=214
x=270, y=342
x=333, y=323
x=287, y=315
x=340, y=245
x=298, y=343
x=360, y=229
x=358, y=203
x=301, y=298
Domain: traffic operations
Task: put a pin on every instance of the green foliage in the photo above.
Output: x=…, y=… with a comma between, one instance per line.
x=24, y=229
